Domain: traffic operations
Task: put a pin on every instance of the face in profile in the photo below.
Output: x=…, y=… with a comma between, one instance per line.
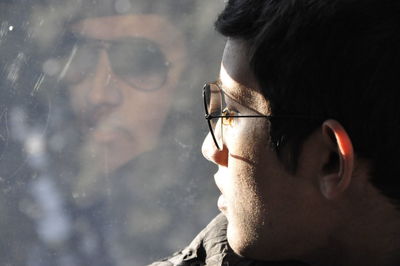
x=269, y=209
x=121, y=75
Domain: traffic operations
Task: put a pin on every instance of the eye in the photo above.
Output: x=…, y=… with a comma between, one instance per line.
x=227, y=118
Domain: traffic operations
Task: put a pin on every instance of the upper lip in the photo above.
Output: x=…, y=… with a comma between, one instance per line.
x=217, y=180
x=100, y=121
x=116, y=129
x=94, y=115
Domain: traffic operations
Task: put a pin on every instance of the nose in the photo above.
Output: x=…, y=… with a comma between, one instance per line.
x=103, y=89
x=211, y=153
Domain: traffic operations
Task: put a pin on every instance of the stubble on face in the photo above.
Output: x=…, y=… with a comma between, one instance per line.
x=249, y=214
x=131, y=126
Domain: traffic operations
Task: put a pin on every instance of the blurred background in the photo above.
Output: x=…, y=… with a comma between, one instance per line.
x=102, y=122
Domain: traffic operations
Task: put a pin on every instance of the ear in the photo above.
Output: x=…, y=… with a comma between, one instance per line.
x=334, y=183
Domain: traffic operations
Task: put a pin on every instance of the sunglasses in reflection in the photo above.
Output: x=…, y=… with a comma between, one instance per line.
x=138, y=62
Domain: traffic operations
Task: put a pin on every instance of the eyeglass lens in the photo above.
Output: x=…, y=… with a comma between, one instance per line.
x=214, y=103
x=139, y=62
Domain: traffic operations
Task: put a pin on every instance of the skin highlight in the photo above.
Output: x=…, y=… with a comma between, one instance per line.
x=314, y=215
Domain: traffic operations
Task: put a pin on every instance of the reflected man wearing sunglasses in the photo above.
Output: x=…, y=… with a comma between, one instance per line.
x=122, y=76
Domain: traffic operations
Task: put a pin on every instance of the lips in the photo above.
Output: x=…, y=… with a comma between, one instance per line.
x=102, y=136
x=222, y=203
x=112, y=134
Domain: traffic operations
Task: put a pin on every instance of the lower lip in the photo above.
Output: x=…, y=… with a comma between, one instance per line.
x=110, y=136
x=105, y=137
x=222, y=203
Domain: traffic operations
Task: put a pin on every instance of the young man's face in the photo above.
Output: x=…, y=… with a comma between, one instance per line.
x=271, y=213
x=123, y=84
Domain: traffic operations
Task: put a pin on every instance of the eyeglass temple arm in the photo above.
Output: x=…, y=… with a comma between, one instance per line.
x=209, y=116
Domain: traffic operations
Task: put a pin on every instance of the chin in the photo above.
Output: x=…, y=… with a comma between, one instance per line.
x=241, y=242
x=246, y=240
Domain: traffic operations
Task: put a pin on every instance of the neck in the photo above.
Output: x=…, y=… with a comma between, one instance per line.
x=368, y=235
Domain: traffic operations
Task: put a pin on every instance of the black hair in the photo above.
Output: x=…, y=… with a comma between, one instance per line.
x=336, y=59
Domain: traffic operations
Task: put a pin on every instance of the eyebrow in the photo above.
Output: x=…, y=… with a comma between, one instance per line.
x=240, y=94
x=234, y=93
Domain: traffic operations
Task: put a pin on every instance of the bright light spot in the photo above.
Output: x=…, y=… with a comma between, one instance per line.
x=34, y=145
x=11, y=28
x=53, y=225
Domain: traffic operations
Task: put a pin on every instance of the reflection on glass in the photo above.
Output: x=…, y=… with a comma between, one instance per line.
x=124, y=98
x=100, y=137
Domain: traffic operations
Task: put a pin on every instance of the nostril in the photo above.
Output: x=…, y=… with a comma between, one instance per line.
x=220, y=157
x=211, y=153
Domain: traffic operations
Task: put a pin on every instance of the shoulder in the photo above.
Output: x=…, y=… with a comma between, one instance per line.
x=210, y=247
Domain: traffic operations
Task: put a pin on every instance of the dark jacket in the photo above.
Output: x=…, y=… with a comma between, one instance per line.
x=210, y=248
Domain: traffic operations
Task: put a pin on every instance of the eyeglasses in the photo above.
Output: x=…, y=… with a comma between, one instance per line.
x=139, y=62
x=214, y=103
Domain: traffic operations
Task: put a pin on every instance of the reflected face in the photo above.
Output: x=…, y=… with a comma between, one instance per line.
x=270, y=212
x=122, y=75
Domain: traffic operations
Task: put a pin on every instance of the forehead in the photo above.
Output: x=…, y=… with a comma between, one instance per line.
x=152, y=27
x=238, y=80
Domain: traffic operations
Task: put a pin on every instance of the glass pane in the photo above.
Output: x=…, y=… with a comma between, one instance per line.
x=102, y=122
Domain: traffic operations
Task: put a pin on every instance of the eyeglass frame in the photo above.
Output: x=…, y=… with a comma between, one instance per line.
x=208, y=116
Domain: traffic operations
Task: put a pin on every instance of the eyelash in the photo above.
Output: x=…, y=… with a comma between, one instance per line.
x=228, y=121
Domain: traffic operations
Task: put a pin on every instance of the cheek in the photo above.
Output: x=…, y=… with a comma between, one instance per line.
x=252, y=164
x=78, y=97
x=143, y=115
x=247, y=215
x=249, y=139
x=147, y=109
x=248, y=160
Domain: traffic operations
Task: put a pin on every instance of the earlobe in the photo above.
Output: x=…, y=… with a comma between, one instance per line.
x=335, y=183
